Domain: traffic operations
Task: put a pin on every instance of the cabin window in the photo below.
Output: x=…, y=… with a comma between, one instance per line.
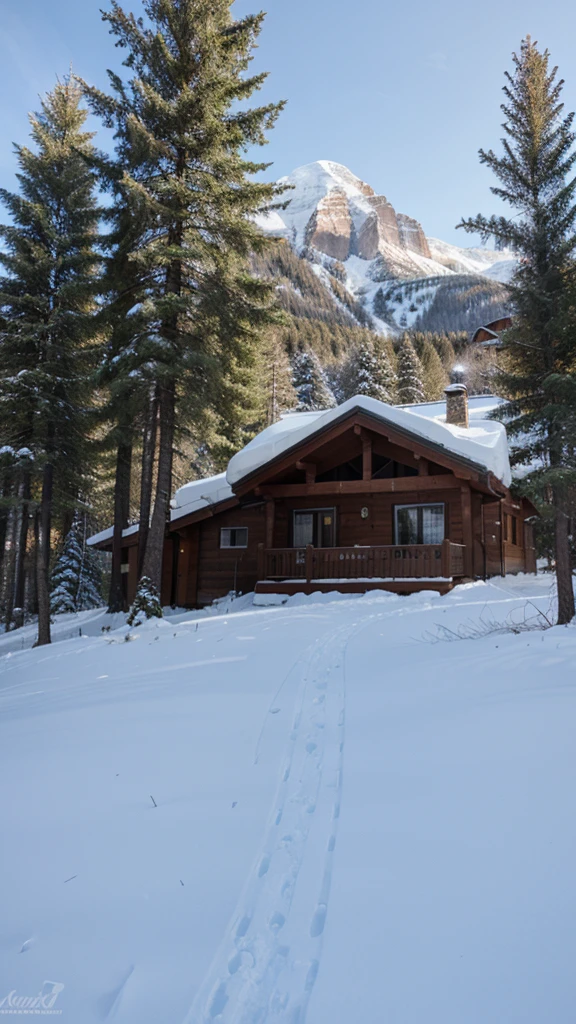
x=513, y=529
x=419, y=524
x=314, y=526
x=234, y=537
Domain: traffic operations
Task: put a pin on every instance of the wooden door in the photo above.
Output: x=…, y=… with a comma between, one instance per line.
x=491, y=512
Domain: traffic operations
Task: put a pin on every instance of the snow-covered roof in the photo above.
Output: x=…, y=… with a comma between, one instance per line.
x=199, y=494
x=189, y=498
x=98, y=538
x=483, y=443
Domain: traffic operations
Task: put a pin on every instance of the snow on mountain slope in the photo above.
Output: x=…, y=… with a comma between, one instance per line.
x=474, y=260
x=334, y=216
x=287, y=814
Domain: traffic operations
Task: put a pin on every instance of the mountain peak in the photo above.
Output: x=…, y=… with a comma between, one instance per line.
x=339, y=215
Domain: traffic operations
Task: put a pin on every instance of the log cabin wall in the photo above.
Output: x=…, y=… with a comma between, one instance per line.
x=220, y=570
x=378, y=526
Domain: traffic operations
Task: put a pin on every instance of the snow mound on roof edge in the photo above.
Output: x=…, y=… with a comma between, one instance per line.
x=189, y=498
x=484, y=443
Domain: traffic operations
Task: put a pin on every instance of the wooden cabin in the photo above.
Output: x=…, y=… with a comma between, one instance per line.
x=489, y=334
x=365, y=496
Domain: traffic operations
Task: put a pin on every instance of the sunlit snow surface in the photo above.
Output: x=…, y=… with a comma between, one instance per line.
x=350, y=825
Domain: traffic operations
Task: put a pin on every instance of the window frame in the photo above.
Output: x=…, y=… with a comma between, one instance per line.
x=233, y=547
x=419, y=506
x=315, y=512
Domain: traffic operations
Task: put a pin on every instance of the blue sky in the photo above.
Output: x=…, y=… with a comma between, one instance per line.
x=403, y=94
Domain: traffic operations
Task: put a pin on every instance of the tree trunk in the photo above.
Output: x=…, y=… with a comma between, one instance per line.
x=43, y=556
x=564, y=582
x=148, y=451
x=15, y=587
x=33, y=572
x=20, y=574
x=152, y=566
x=121, y=512
x=5, y=492
x=11, y=543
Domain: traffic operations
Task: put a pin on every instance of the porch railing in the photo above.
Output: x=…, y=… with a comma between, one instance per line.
x=390, y=561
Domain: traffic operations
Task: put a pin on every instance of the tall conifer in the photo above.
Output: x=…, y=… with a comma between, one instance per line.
x=182, y=126
x=310, y=383
x=410, y=373
x=47, y=299
x=536, y=175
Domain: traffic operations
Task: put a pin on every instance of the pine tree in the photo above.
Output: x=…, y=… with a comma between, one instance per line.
x=435, y=377
x=536, y=180
x=128, y=410
x=47, y=298
x=445, y=349
x=386, y=369
x=146, y=604
x=278, y=394
x=310, y=383
x=368, y=371
x=410, y=373
x=76, y=579
x=182, y=128
x=381, y=307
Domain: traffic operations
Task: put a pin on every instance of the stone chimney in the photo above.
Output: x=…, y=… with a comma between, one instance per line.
x=456, y=405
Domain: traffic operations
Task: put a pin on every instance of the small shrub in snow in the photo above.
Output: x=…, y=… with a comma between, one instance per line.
x=146, y=604
x=528, y=620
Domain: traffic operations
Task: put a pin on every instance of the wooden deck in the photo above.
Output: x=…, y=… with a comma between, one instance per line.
x=400, y=568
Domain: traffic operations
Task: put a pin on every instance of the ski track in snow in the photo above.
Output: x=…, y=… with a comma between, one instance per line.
x=267, y=964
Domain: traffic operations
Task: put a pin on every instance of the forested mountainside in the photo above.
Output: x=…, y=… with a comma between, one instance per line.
x=324, y=316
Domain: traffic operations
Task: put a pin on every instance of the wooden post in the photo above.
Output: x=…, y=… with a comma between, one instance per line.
x=446, y=559
x=261, y=568
x=309, y=562
x=502, y=542
x=309, y=468
x=270, y=516
x=132, y=573
x=467, y=530
x=366, y=456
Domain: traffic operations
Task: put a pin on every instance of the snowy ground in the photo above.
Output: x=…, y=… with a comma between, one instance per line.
x=351, y=824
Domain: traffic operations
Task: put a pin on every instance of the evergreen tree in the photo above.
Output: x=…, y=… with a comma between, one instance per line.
x=146, y=604
x=368, y=371
x=386, y=369
x=181, y=131
x=278, y=394
x=310, y=383
x=76, y=580
x=47, y=299
x=445, y=350
x=128, y=408
x=410, y=374
x=536, y=180
x=382, y=308
x=435, y=377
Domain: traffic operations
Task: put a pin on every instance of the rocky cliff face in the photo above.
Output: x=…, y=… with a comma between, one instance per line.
x=340, y=215
x=334, y=216
x=330, y=227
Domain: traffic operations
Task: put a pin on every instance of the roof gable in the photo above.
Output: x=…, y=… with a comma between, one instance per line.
x=481, y=447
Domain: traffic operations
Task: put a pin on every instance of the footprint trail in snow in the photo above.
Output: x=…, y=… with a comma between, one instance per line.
x=267, y=964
